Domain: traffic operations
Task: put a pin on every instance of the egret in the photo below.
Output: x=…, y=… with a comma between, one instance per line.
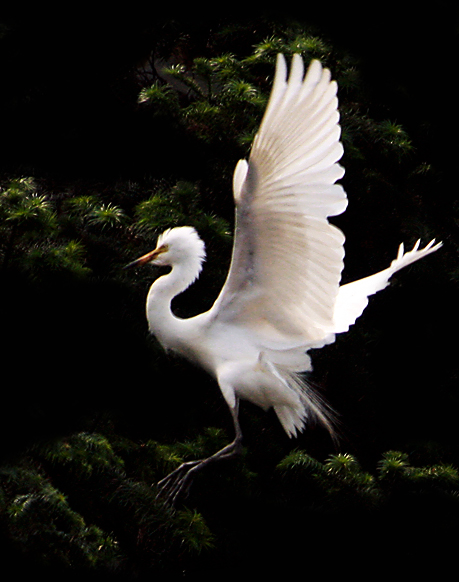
x=282, y=295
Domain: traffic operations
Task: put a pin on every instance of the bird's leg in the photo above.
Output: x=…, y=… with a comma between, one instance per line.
x=179, y=481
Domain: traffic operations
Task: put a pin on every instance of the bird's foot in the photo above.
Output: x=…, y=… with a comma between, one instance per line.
x=179, y=481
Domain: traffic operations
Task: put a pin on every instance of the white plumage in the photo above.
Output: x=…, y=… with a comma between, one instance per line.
x=282, y=296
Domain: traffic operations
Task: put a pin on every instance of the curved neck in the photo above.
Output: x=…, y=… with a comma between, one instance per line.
x=161, y=293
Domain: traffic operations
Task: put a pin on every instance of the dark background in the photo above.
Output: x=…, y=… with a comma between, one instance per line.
x=63, y=100
x=68, y=113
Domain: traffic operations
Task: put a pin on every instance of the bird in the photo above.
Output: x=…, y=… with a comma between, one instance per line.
x=282, y=296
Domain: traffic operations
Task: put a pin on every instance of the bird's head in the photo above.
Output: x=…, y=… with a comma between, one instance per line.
x=175, y=246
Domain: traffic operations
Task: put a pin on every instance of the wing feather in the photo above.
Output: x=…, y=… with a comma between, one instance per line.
x=287, y=258
x=353, y=297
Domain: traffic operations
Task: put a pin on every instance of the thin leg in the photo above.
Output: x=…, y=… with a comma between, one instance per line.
x=179, y=481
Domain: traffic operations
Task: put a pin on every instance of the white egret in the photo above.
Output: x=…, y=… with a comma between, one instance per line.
x=282, y=296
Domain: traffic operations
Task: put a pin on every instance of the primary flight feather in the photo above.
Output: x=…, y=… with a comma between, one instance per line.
x=282, y=296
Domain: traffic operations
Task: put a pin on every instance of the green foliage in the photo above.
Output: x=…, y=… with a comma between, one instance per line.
x=225, y=97
x=92, y=232
x=63, y=258
x=298, y=462
x=107, y=216
x=23, y=209
x=169, y=457
x=43, y=525
x=177, y=206
x=32, y=236
x=393, y=463
x=82, y=454
x=266, y=50
x=222, y=105
x=88, y=499
x=44, y=234
x=69, y=529
x=81, y=207
x=193, y=529
x=161, y=98
x=165, y=209
x=89, y=211
x=29, y=212
x=341, y=478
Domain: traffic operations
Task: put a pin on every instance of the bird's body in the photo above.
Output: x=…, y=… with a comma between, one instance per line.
x=244, y=366
x=282, y=296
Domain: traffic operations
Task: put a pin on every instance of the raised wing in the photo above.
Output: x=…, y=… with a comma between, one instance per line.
x=353, y=297
x=287, y=258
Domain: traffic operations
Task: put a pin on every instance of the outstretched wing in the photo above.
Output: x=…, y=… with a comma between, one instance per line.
x=287, y=258
x=353, y=297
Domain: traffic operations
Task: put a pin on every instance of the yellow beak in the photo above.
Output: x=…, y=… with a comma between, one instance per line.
x=146, y=258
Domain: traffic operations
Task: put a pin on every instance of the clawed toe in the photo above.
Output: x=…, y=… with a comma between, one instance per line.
x=178, y=482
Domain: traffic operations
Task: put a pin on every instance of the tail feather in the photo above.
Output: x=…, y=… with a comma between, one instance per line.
x=292, y=420
x=311, y=407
